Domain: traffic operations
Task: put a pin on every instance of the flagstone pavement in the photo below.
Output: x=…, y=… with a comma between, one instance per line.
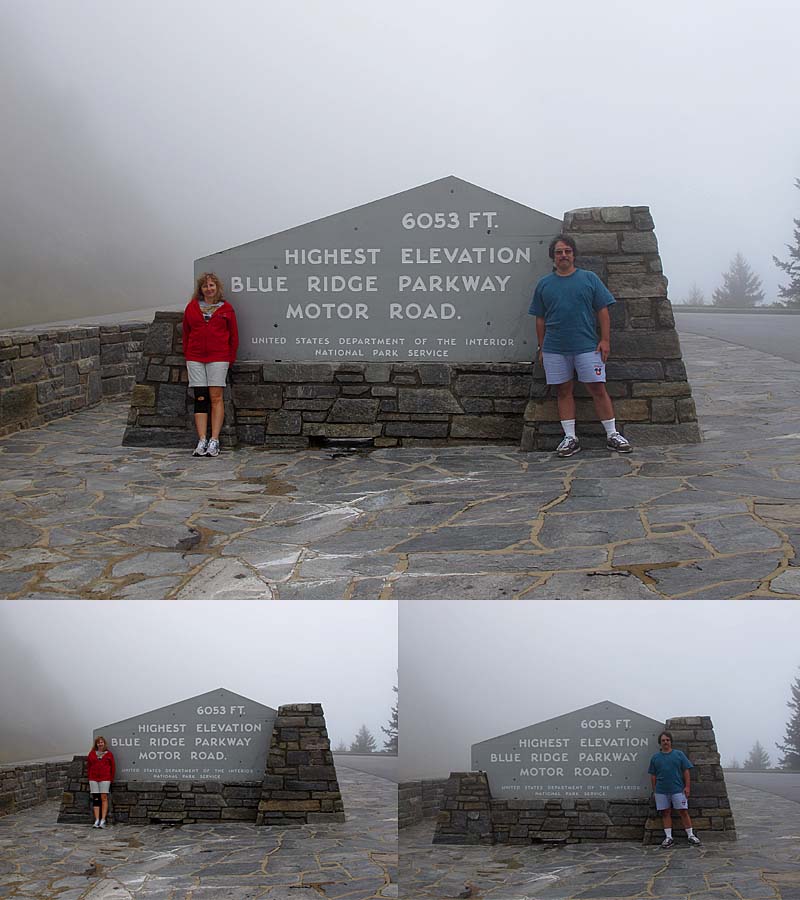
x=356, y=860
x=84, y=517
x=763, y=864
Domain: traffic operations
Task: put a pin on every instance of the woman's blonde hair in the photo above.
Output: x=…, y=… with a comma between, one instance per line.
x=198, y=291
x=99, y=738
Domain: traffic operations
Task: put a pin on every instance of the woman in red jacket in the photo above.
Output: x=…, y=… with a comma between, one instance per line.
x=100, y=770
x=210, y=342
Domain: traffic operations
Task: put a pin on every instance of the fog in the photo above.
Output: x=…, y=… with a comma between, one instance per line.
x=138, y=137
x=68, y=667
x=473, y=670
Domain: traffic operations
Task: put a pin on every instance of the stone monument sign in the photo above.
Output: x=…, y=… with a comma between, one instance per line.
x=443, y=272
x=219, y=736
x=601, y=751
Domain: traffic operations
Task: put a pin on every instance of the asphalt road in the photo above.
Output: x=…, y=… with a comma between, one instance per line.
x=776, y=334
x=783, y=784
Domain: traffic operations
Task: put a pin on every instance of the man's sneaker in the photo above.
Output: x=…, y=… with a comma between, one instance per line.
x=617, y=442
x=667, y=842
x=96, y=824
x=202, y=448
x=213, y=447
x=102, y=823
x=694, y=840
x=568, y=447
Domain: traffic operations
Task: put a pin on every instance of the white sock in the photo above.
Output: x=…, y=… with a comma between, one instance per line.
x=610, y=426
x=690, y=832
x=569, y=427
x=668, y=832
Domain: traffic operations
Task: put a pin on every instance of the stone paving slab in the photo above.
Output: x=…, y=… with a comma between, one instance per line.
x=764, y=864
x=356, y=860
x=84, y=517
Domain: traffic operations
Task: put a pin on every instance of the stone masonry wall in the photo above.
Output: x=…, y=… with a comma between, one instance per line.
x=51, y=373
x=418, y=800
x=301, y=786
x=469, y=815
x=22, y=787
x=143, y=803
x=291, y=405
x=646, y=375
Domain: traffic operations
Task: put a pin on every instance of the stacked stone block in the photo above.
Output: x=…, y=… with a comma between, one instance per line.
x=301, y=786
x=418, y=800
x=646, y=375
x=294, y=405
x=709, y=806
x=22, y=787
x=48, y=374
x=466, y=814
x=170, y=802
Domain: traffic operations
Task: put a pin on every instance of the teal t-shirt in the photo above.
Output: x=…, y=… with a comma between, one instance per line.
x=668, y=769
x=569, y=304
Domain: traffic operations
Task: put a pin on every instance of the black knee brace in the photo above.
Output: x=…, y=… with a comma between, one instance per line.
x=201, y=402
x=95, y=799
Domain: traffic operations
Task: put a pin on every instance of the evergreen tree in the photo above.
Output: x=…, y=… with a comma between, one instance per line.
x=695, y=297
x=341, y=747
x=757, y=759
x=364, y=741
x=741, y=288
x=791, y=291
x=791, y=741
x=390, y=743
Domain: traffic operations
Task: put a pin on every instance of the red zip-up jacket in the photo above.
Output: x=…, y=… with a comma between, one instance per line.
x=101, y=769
x=216, y=340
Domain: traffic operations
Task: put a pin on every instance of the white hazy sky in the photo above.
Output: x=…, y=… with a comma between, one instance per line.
x=140, y=136
x=473, y=670
x=68, y=667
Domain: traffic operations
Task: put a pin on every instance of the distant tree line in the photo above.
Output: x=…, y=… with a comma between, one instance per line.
x=741, y=288
x=758, y=758
x=364, y=741
x=791, y=291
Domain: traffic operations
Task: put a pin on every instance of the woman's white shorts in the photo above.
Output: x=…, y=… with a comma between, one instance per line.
x=99, y=787
x=206, y=374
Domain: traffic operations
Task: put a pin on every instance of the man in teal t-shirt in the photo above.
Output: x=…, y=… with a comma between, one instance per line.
x=672, y=784
x=569, y=305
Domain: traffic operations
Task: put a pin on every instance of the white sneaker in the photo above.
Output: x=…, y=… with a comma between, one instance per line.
x=201, y=448
x=213, y=447
x=694, y=840
x=102, y=823
x=96, y=823
x=619, y=443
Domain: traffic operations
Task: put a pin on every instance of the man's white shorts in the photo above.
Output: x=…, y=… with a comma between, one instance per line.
x=99, y=787
x=560, y=367
x=206, y=374
x=677, y=801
